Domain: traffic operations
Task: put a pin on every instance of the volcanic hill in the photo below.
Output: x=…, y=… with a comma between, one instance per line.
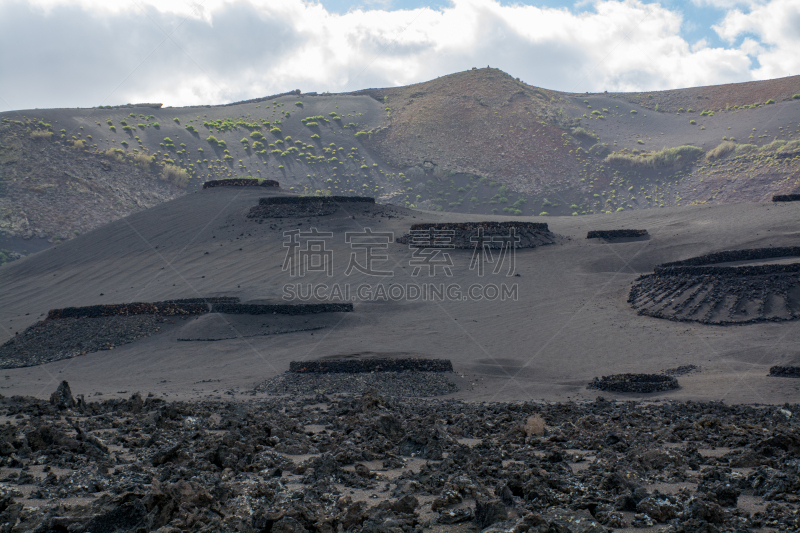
x=477, y=142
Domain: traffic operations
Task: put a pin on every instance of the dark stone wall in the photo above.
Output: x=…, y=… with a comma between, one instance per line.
x=196, y=306
x=616, y=233
x=786, y=198
x=737, y=255
x=189, y=306
x=634, y=383
x=352, y=366
x=493, y=227
x=301, y=200
x=712, y=272
x=240, y=182
x=785, y=371
x=281, y=309
x=720, y=295
x=465, y=234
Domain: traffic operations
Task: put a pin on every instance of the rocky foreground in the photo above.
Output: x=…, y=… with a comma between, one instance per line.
x=364, y=463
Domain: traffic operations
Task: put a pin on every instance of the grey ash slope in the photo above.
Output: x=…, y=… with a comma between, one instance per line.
x=570, y=323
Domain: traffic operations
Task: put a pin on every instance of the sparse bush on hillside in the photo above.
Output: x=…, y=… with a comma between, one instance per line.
x=79, y=145
x=115, y=154
x=745, y=148
x=792, y=147
x=773, y=146
x=667, y=157
x=583, y=132
x=770, y=101
x=143, y=160
x=275, y=130
x=692, y=122
x=191, y=129
x=41, y=134
x=722, y=150
x=175, y=174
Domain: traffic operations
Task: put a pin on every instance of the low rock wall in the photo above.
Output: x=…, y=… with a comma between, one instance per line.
x=634, y=383
x=353, y=366
x=785, y=371
x=738, y=255
x=240, y=182
x=616, y=233
x=786, y=198
x=301, y=200
x=466, y=234
x=280, y=309
x=189, y=306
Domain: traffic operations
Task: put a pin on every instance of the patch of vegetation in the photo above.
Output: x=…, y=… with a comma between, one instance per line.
x=41, y=134
x=725, y=148
x=679, y=155
x=583, y=132
x=174, y=174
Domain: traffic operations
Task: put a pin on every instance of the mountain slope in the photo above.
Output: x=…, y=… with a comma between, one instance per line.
x=478, y=141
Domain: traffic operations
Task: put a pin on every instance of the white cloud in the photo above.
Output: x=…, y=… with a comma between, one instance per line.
x=777, y=28
x=94, y=51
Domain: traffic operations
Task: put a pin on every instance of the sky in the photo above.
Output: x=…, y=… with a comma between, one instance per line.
x=85, y=53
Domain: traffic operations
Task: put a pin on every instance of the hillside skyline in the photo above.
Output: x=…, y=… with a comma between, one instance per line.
x=223, y=52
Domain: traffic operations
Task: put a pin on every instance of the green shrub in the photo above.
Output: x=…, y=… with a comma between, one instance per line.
x=311, y=124
x=692, y=122
x=633, y=111
x=770, y=101
x=176, y=120
x=113, y=128
x=315, y=136
x=299, y=104
x=191, y=129
x=275, y=130
x=257, y=135
x=360, y=134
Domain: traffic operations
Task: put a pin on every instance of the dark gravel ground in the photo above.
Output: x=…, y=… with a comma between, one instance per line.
x=367, y=463
x=53, y=340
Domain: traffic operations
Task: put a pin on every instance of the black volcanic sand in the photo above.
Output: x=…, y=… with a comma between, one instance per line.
x=369, y=463
x=568, y=323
